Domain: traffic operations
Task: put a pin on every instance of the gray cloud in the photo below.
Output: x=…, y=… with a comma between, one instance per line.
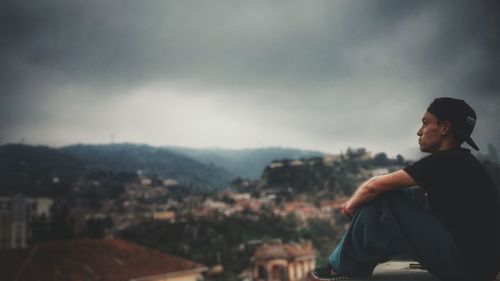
x=327, y=73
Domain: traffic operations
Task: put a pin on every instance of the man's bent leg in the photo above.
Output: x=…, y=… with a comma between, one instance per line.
x=423, y=237
x=396, y=224
x=365, y=244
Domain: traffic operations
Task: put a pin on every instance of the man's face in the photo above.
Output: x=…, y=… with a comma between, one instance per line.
x=430, y=137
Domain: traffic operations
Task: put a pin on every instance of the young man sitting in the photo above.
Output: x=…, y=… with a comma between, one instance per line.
x=452, y=229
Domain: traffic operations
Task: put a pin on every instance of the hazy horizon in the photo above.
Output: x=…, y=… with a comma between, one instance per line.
x=416, y=154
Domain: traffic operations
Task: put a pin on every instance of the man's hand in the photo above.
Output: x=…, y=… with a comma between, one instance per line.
x=348, y=209
x=374, y=187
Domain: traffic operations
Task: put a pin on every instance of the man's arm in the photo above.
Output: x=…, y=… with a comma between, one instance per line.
x=374, y=187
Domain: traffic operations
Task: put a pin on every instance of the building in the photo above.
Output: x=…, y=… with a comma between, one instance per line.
x=283, y=262
x=301, y=210
x=103, y=260
x=329, y=206
x=16, y=213
x=164, y=216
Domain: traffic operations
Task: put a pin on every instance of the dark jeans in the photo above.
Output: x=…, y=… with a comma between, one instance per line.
x=398, y=224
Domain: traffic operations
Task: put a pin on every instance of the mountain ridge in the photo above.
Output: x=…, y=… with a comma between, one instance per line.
x=33, y=169
x=247, y=163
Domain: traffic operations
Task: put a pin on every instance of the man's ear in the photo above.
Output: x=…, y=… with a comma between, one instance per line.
x=446, y=128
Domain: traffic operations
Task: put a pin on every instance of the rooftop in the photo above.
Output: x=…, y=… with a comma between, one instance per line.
x=272, y=251
x=103, y=260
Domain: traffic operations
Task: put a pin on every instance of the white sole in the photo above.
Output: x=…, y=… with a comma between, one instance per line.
x=330, y=279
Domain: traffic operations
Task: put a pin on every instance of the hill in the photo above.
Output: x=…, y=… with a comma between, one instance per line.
x=41, y=170
x=244, y=163
x=319, y=178
x=150, y=161
x=36, y=170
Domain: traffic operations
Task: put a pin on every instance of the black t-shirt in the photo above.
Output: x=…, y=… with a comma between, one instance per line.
x=463, y=196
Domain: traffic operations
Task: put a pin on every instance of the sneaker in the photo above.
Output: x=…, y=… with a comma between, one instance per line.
x=327, y=274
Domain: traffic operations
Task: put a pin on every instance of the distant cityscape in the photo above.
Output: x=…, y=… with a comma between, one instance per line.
x=275, y=227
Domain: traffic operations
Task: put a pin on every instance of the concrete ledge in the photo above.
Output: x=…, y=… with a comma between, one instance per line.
x=400, y=271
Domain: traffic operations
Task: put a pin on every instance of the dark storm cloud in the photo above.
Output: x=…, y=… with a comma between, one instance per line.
x=301, y=57
x=115, y=42
x=466, y=50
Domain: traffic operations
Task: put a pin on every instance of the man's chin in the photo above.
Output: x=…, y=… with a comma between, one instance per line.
x=426, y=149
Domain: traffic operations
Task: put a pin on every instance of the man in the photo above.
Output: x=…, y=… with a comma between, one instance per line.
x=452, y=229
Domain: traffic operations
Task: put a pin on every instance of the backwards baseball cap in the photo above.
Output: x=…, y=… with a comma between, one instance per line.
x=461, y=116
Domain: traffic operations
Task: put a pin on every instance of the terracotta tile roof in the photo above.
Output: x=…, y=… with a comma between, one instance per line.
x=287, y=251
x=103, y=260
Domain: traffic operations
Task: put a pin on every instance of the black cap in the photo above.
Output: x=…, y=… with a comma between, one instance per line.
x=459, y=113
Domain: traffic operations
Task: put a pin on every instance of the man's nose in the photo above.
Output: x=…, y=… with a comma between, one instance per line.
x=419, y=132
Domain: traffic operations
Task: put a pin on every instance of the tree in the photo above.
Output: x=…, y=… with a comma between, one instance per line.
x=96, y=227
x=400, y=160
x=380, y=159
x=40, y=229
x=61, y=224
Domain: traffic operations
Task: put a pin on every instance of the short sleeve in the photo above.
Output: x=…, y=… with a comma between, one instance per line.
x=425, y=171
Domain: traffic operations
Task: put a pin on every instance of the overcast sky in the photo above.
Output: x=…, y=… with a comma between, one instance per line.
x=322, y=75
